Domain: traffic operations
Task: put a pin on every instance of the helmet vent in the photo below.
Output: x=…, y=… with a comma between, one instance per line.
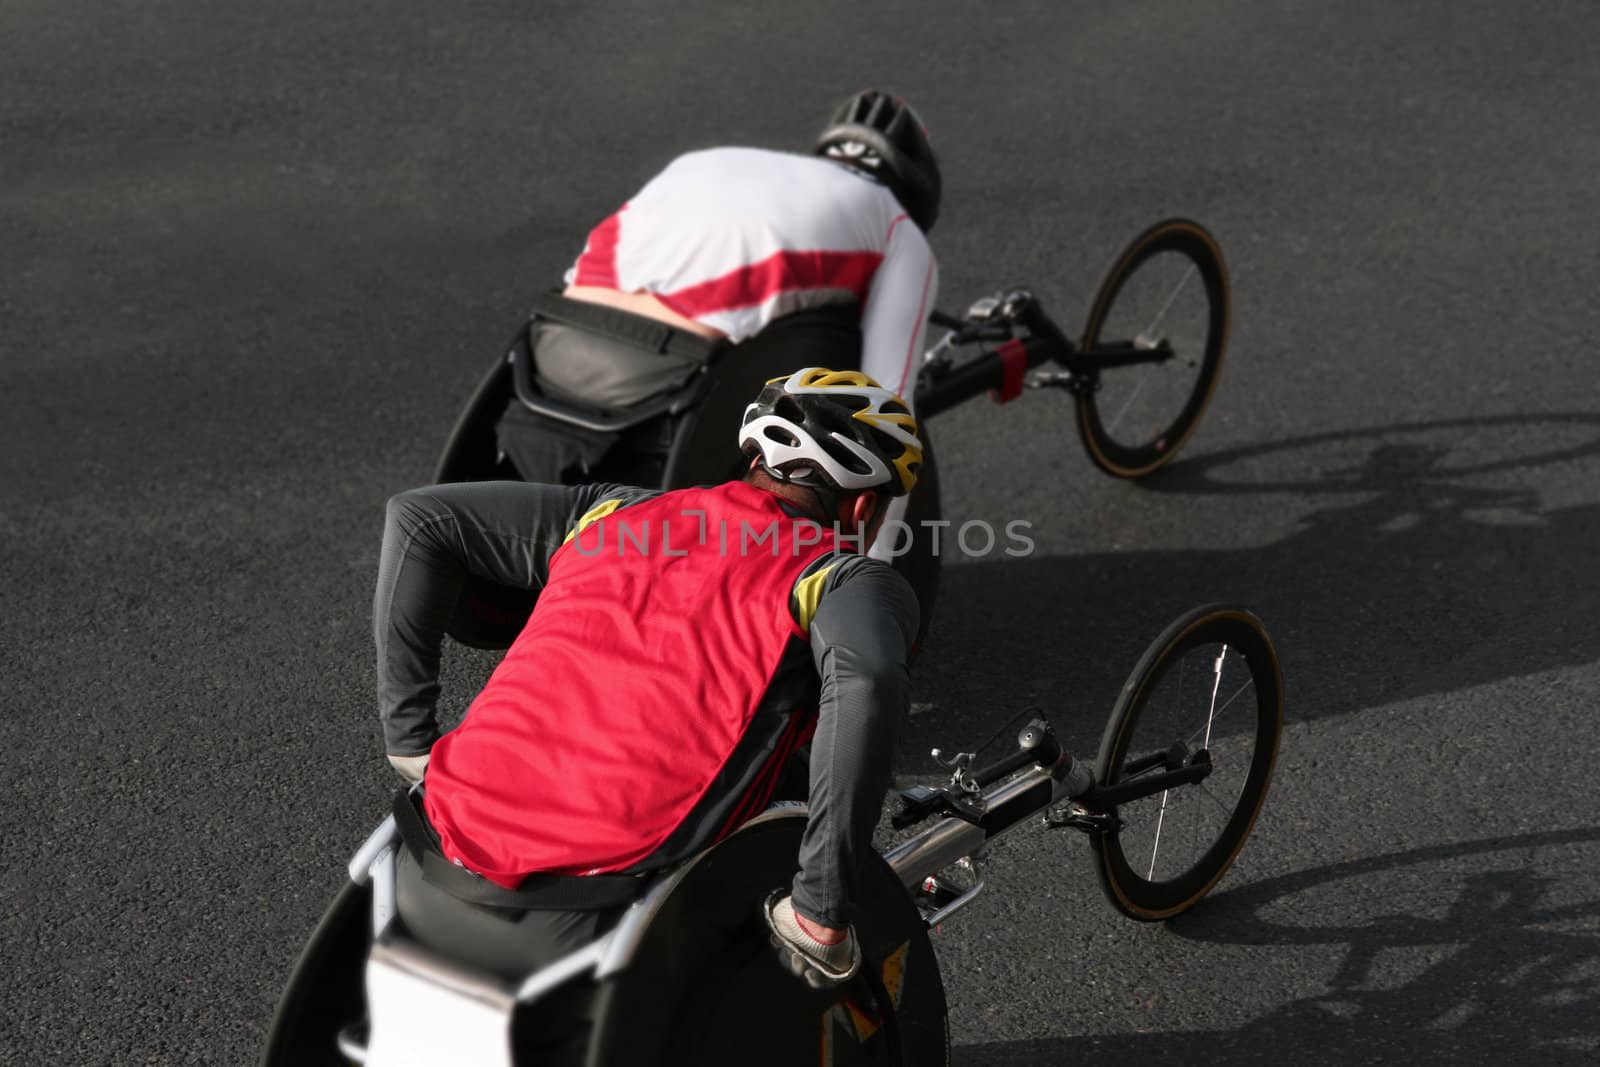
x=835, y=428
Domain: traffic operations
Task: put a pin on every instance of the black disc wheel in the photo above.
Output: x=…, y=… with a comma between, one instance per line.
x=1164, y=303
x=1206, y=697
x=704, y=986
x=325, y=993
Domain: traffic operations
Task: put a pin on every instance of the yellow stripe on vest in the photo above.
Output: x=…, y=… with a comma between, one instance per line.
x=594, y=514
x=807, y=594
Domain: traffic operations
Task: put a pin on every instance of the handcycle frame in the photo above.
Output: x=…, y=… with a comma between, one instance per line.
x=967, y=819
x=971, y=818
x=1001, y=371
x=937, y=868
x=1025, y=338
x=974, y=806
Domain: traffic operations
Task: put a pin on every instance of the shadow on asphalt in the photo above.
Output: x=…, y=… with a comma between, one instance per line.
x=1412, y=578
x=1509, y=965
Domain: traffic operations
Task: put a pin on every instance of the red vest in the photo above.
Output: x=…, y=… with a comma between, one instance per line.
x=648, y=652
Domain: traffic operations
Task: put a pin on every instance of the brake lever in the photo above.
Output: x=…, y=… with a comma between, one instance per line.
x=984, y=308
x=1014, y=302
x=960, y=767
x=991, y=318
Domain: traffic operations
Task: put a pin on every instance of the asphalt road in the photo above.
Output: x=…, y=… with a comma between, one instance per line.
x=252, y=258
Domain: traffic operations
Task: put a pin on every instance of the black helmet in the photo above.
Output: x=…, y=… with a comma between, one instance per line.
x=834, y=429
x=881, y=135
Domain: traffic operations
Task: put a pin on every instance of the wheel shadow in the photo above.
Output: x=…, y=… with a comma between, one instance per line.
x=1505, y=970
x=1420, y=562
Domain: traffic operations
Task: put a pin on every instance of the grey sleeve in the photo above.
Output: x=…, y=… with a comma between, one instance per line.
x=867, y=606
x=861, y=636
x=436, y=538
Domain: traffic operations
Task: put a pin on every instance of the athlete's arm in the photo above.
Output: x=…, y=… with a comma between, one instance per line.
x=434, y=539
x=861, y=634
x=895, y=318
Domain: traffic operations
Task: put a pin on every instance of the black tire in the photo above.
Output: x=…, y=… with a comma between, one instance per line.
x=1153, y=278
x=1170, y=848
x=704, y=986
x=326, y=989
x=470, y=453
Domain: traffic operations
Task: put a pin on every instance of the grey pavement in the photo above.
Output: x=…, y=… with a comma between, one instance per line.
x=253, y=257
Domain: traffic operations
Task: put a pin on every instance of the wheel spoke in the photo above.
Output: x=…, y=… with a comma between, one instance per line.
x=1204, y=729
x=1155, y=845
x=1146, y=338
x=1126, y=404
x=1177, y=706
x=1216, y=706
x=1216, y=683
x=1215, y=799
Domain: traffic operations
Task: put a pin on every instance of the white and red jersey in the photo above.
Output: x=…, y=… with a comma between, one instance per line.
x=735, y=237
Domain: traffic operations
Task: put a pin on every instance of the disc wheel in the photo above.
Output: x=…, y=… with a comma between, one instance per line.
x=326, y=990
x=1208, y=691
x=1166, y=293
x=704, y=987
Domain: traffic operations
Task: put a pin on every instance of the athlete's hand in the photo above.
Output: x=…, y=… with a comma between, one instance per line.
x=411, y=768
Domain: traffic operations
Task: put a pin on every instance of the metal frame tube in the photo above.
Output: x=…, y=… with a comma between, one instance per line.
x=949, y=839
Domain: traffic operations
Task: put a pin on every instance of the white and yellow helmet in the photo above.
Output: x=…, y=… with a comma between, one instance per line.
x=834, y=429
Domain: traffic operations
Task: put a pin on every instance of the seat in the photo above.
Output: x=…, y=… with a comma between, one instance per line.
x=512, y=427
x=686, y=976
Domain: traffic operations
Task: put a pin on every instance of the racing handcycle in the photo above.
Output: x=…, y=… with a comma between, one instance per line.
x=685, y=976
x=1140, y=376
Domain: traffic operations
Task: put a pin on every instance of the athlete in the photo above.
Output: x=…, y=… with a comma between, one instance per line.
x=745, y=253
x=682, y=647
x=725, y=241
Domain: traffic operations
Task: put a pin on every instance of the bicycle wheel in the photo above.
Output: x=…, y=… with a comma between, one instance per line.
x=1209, y=688
x=1169, y=286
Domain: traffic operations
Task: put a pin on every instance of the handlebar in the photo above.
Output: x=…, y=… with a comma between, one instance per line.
x=962, y=796
x=966, y=331
x=1035, y=744
x=1032, y=316
x=995, y=318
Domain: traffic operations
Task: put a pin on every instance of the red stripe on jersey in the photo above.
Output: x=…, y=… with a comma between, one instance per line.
x=598, y=264
x=781, y=272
